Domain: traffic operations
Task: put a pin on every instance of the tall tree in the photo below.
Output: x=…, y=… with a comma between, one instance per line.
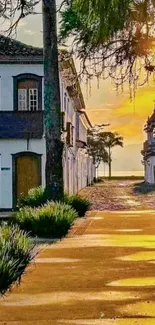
x=111, y=140
x=96, y=148
x=112, y=38
x=52, y=105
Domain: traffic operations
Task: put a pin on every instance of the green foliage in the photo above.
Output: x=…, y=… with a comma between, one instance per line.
x=93, y=21
x=111, y=140
x=79, y=204
x=51, y=220
x=16, y=252
x=96, y=146
x=35, y=197
x=111, y=38
x=143, y=188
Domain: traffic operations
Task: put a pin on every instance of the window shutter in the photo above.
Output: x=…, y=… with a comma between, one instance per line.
x=72, y=135
x=63, y=126
x=70, y=130
x=33, y=99
x=22, y=99
x=68, y=133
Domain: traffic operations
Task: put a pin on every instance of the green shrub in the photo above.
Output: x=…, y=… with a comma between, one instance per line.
x=38, y=197
x=51, y=220
x=79, y=204
x=16, y=251
x=35, y=197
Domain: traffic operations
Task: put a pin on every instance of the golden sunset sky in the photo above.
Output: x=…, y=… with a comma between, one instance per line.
x=104, y=105
x=125, y=116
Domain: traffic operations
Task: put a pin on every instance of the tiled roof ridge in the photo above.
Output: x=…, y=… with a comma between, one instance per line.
x=12, y=47
x=12, y=50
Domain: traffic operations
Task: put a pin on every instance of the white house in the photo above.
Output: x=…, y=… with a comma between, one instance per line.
x=148, y=151
x=22, y=141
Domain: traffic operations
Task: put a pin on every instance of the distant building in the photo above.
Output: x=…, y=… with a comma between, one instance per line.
x=148, y=151
x=22, y=140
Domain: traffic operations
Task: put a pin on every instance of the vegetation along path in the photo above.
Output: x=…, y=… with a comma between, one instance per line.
x=103, y=273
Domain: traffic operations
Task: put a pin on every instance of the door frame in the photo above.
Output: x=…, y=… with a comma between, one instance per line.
x=14, y=171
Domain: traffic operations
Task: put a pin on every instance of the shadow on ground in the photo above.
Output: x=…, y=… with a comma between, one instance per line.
x=143, y=188
x=104, y=269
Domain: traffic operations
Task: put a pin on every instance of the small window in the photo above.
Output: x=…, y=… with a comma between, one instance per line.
x=33, y=99
x=68, y=106
x=27, y=92
x=22, y=100
x=65, y=102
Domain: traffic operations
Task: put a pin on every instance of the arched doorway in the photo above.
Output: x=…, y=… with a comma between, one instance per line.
x=26, y=173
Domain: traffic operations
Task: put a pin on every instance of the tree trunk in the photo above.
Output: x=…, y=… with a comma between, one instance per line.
x=109, y=163
x=52, y=104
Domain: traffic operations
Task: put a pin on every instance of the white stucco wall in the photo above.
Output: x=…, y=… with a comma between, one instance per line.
x=76, y=163
x=7, y=72
x=149, y=170
x=7, y=148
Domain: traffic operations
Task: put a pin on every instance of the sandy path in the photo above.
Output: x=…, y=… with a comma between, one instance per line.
x=102, y=274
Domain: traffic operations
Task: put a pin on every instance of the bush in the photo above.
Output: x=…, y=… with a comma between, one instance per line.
x=35, y=197
x=79, y=204
x=38, y=197
x=51, y=220
x=16, y=251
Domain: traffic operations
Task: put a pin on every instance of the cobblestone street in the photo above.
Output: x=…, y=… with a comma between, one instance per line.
x=120, y=195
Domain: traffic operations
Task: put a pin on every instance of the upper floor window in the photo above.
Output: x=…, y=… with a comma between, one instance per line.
x=65, y=102
x=27, y=92
x=153, y=133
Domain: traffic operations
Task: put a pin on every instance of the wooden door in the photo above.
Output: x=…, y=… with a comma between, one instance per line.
x=27, y=174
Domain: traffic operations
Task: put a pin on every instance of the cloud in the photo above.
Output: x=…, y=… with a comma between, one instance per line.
x=22, y=23
x=29, y=32
x=126, y=117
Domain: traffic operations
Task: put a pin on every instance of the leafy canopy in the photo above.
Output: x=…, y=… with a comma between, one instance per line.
x=113, y=38
x=96, y=146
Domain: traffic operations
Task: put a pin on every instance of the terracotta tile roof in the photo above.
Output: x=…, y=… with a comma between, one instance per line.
x=11, y=47
x=13, y=51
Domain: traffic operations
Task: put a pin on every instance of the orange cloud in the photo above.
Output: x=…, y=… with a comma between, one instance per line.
x=126, y=117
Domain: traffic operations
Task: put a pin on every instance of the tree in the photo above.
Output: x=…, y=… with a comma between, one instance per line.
x=96, y=148
x=12, y=12
x=52, y=105
x=110, y=141
x=111, y=38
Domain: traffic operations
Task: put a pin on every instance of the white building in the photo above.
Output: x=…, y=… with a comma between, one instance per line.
x=148, y=151
x=22, y=141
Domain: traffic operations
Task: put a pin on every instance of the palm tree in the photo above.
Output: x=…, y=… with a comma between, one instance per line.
x=111, y=140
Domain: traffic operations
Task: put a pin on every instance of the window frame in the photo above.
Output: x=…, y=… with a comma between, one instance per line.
x=32, y=109
x=26, y=76
x=21, y=100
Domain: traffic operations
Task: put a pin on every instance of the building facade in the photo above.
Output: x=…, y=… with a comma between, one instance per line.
x=22, y=140
x=148, y=151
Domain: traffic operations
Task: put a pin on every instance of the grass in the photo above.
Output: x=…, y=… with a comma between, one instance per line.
x=16, y=252
x=54, y=219
x=78, y=203
x=143, y=188
x=35, y=198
